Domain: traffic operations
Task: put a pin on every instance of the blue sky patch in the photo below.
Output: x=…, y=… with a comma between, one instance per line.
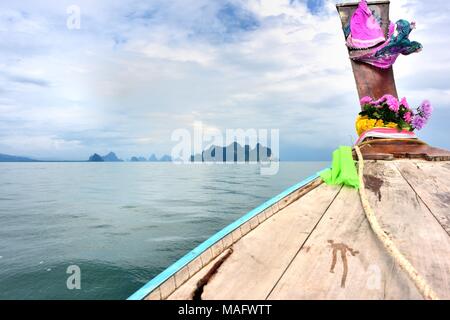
x=236, y=19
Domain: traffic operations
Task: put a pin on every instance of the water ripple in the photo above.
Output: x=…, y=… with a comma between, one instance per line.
x=121, y=224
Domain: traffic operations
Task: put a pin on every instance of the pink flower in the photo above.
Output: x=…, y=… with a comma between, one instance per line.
x=381, y=100
x=392, y=102
x=405, y=103
x=379, y=103
x=366, y=100
x=408, y=117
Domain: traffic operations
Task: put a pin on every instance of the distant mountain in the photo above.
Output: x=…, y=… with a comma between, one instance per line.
x=234, y=153
x=9, y=158
x=153, y=158
x=165, y=158
x=96, y=158
x=138, y=159
x=111, y=157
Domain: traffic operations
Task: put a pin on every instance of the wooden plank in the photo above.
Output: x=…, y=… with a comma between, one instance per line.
x=391, y=149
x=407, y=221
x=361, y=268
x=412, y=226
x=263, y=254
x=181, y=276
x=200, y=256
x=206, y=256
x=195, y=265
x=298, y=194
x=167, y=287
x=155, y=295
x=217, y=248
x=186, y=291
x=431, y=181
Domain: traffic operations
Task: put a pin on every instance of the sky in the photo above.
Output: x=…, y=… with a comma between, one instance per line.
x=135, y=71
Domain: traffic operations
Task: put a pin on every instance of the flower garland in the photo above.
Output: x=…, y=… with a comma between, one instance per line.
x=389, y=112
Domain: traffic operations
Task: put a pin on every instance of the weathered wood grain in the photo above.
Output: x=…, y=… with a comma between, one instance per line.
x=321, y=246
x=186, y=291
x=342, y=260
x=261, y=257
x=431, y=181
x=412, y=226
x=391, y=149
x=154, y=295
x=406, y=220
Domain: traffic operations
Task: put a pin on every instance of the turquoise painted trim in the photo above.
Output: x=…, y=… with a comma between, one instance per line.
x=189, y=257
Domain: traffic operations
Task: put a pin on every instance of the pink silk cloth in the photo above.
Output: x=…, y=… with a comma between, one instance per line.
x=383, y=62
x=365, y=30
x=386, y=133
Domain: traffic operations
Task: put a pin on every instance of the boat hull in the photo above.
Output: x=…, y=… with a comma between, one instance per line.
x=313, y=242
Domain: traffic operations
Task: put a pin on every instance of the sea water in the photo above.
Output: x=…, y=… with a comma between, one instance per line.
x=120, y=223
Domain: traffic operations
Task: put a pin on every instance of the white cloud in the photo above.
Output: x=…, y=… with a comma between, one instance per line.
x=46, y=147
x=138, y=70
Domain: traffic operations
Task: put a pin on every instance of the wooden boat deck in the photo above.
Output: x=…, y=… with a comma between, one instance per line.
x=321, y=246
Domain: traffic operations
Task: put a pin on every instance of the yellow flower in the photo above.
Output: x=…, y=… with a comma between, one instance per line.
x=392, y=125
x=372, y=123
x=360, y=122
x=364, y=123
x=380, y=124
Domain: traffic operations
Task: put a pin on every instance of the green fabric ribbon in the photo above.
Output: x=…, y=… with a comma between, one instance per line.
x=343, y=169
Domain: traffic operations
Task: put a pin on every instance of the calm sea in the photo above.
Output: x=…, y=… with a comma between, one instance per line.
x=121, y=223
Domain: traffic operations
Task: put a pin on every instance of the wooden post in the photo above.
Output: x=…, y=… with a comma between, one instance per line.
x=370, y=81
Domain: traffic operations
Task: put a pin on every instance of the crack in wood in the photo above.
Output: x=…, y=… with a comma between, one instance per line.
x=197, y=294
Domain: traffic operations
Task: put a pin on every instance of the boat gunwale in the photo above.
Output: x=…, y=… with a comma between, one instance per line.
x=173, y=269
